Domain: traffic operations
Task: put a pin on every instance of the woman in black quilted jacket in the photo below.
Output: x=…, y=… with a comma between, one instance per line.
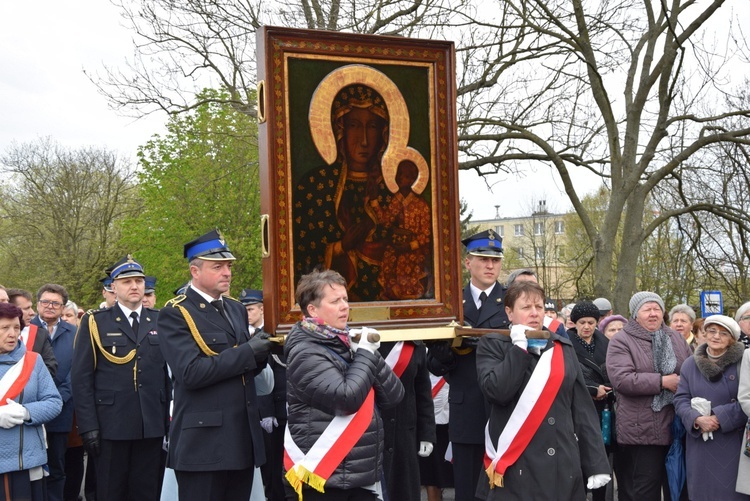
x=590, y=345
x=335, y=388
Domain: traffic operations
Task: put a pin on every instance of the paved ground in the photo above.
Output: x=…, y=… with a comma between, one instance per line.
x=448, y=495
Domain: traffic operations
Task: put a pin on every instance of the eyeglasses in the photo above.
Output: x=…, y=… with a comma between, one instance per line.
x=47, y=302
x=716, y=332
x=745, y=318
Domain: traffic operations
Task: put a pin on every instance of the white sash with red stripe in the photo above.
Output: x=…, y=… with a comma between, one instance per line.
x=331, y=447
x=14, y=381
x=533, y=405
x=339, y=437
x=399, y=357
x=437, y=387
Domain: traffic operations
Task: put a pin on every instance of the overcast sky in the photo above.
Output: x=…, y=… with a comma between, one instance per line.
x=45, y=46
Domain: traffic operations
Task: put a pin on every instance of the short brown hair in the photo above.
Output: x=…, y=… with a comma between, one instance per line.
x=55, y=289
x=310, y=287
x=521, y=288
x=14, y=293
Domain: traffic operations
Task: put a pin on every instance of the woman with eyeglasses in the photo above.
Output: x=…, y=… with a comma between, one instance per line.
x=714, y=433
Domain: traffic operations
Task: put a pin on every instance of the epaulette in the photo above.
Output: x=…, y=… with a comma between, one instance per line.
x=98, y=310
x=175, y=300
x=233, y=299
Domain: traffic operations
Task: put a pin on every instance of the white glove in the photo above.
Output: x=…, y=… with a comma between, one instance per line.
x=12, y=414
x=596, y=481
x=425, y=449
x=518, y=336
x=363, y=341
x=268, y=424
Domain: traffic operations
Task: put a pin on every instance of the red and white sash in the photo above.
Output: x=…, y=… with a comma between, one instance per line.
x=437, y=387
x=15, y=380
x=552, y=324
x=534, y=403
x=399, y=357
x=341, y=434
x=339, y=437
x=31, y=337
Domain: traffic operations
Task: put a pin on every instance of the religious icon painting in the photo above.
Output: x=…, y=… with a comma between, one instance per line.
x=357, y=141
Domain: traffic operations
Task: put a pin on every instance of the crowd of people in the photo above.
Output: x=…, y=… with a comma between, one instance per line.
x=194, y=402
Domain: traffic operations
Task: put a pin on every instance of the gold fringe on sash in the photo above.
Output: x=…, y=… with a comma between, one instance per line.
x=296, y=479
x=496, y=480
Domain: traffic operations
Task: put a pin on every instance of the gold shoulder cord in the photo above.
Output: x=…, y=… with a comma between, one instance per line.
x=194, y=332
x=96, y=340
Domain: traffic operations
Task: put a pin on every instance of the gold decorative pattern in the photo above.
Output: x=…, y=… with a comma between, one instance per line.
x=442, y=194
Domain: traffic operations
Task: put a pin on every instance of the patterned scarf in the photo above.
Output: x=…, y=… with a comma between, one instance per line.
x=319, y=326
x=588, y=346
x=665, y=363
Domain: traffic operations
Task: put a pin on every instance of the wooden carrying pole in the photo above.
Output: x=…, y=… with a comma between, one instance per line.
x=455, y=332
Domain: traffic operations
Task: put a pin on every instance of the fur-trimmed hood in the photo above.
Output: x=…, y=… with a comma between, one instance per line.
x=712, y=370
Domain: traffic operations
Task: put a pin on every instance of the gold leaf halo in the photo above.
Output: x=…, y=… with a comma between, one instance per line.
x=321, y=128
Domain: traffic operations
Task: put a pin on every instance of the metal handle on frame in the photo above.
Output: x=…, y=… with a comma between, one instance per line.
x=261, y=101
x=264, y=219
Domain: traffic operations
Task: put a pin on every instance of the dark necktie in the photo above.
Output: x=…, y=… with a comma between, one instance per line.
x=219, y=305
x=482, y=298
x=135, y=324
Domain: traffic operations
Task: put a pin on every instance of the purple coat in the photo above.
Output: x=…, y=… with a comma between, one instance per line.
x=630, y=366
x=712, y=464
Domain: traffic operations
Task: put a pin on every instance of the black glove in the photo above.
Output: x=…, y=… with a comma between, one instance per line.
x=442, y=352
x=91, y=442
x=261, y=347
x=469, y=342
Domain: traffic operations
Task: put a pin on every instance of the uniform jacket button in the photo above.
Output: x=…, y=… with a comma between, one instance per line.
x=551, y=420
x=551, y=451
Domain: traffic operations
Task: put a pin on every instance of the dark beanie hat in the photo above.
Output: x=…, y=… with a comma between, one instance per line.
x=584, y=309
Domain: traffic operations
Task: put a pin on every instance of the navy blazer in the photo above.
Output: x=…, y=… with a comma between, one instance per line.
x=492, y=315
x=468, y=412
x=110, y=397
x=62, y=346
x=215, y=421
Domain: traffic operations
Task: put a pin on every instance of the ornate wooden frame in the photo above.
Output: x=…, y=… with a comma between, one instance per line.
x=291, y=62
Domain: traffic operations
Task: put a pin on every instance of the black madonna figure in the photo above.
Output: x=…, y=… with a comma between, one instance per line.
x=335, y=207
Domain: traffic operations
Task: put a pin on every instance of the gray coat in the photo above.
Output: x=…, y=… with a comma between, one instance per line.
x=630, y=365
x=743, y=396
x=566, y=449
x=325, y=379
x=712, y=465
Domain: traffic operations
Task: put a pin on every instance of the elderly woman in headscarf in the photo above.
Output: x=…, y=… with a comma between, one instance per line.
x=335, y=225
x=715, y=430
x=643, y=363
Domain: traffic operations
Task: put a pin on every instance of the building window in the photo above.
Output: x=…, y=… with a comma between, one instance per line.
x=539, y=252
x=559, y=227
x=518, y=230
x=538, y=228
x=519, y=252
x=500, y=230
